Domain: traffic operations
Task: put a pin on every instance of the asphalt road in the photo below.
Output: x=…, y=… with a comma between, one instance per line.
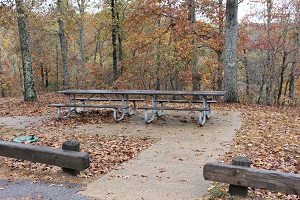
x=25, y=189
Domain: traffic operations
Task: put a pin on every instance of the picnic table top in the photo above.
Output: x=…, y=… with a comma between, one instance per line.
x=143, y=92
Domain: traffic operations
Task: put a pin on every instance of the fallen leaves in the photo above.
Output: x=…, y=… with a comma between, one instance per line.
x=270, y=138
x=106, y=152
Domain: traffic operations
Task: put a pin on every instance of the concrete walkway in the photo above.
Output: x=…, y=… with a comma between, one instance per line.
x=172, y=168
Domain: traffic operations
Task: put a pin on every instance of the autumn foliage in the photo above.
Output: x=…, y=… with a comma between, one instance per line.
x=153, y=48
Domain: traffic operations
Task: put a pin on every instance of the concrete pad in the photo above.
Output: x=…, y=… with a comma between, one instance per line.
x=171, y=168
x=20, y=122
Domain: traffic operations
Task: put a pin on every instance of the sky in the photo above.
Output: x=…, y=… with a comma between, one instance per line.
x=249, y=5
x=244, y=9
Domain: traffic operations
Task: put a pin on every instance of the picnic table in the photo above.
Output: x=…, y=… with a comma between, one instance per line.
x=161, y=100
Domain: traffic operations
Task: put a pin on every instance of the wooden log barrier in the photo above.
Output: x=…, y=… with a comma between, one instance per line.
x=71, y=145
x=236, y=189
x=251, y=177
x=52, y=156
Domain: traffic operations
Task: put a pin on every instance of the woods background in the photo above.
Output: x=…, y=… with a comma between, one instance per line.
x=149, y=44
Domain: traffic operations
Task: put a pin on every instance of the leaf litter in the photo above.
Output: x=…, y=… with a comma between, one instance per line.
x=106, y=151
x=269, y=137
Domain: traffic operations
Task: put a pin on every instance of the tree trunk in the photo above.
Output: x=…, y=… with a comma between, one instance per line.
x=101, y=56
x=230, y=61
x=294, y=65
x=269, y=88
x=57, y=67
x=47, y=79
x=20, y=76
x=285, y=91
x=194, y=61
x=114, y=39
x=263, y=81
x=42, y=75
x=158, y=62
x=29, y=90
x=1, y=76
x=81, y=6
x=120, y=45
x=220, y=71
x=158, y=66
x=283, y=66
x=220, y=51
x=247, y=73
x=63, y=46
x=96, y=49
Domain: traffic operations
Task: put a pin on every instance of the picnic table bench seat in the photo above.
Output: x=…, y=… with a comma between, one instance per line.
x=204, y=113
x=105, y=99
x=84, y=100
x=173, y=108
x=74, y=106
x=83, y=106
x=184, y=101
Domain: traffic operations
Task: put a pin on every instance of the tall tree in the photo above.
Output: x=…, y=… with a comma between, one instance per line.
x=81, y=5
x=63, y=46
x=294, y=65
x=114, y=38
x=270, y=68
x=120, y=42
x=230, y=61
x=192, y=23
x=29, y=90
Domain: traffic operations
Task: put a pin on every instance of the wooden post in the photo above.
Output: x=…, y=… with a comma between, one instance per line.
x=71, y=145
x=236, y=189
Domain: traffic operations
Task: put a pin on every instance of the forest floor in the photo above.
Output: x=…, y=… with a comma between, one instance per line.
x=269, y=137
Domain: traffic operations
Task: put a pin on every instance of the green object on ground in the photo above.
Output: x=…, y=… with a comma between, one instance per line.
x=22, y=139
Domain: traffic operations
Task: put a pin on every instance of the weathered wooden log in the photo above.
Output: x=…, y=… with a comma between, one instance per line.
x=251, y=177
x=46, y=155
x=236, y=189
x=71, y=145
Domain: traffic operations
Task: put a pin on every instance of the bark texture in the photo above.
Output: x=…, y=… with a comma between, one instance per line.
x=230, y=82
x=29, y=90
x=63, y=46
x=194, y=61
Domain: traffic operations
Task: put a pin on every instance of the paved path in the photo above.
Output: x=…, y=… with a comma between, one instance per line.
x=172, y=168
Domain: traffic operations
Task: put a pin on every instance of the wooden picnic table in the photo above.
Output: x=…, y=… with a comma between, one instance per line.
x=170, y=97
